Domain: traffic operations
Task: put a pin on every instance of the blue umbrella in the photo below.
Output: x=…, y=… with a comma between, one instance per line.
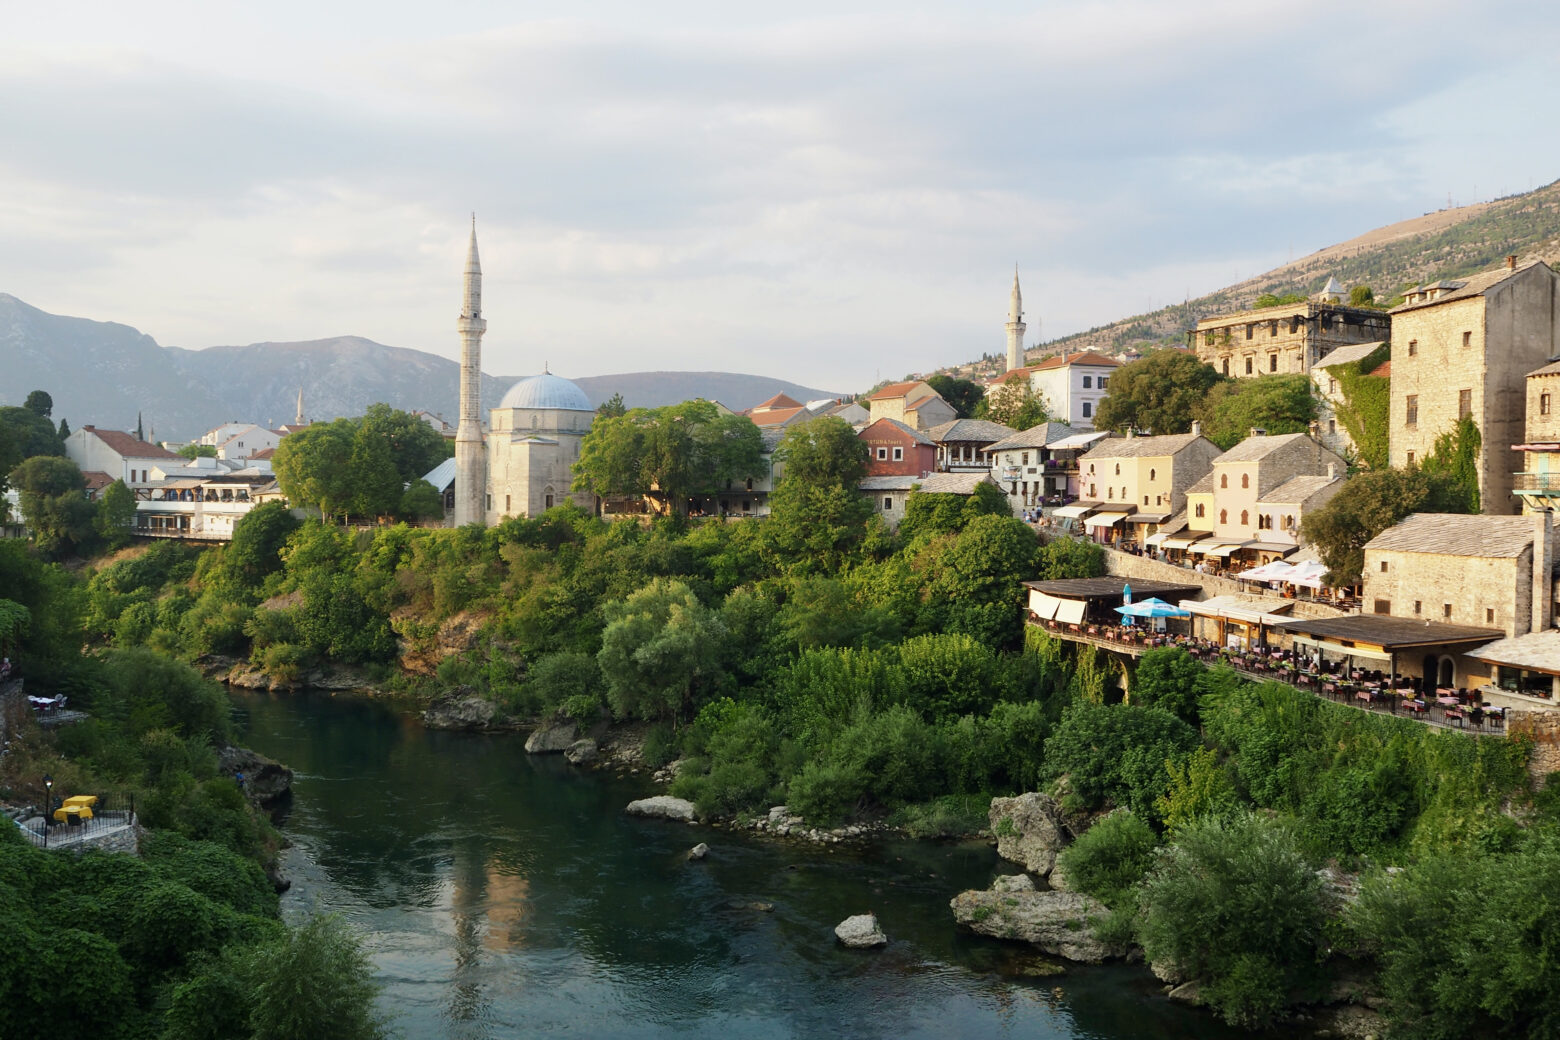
x=1152, y=608
x=1126, y=593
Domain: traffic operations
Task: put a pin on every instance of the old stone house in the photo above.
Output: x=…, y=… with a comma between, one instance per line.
x=1137, y=483
x=913, y=403
x=1289, y=338
x=962, y=444
x=1464, y=348
x=1537, y=481
x=1244, y=504
x=1329, y=394
x=1024, y=466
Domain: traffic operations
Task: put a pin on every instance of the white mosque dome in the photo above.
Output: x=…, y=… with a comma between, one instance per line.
x=546, y=391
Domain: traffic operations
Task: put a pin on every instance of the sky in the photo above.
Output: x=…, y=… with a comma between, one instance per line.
x=831, y=193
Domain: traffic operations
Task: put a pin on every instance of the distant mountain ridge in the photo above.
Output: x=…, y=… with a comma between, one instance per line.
x=106, y=373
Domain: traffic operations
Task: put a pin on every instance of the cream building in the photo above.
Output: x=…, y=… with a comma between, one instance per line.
x=1463, y=348
x=1137, y=483
x=1537, y=483
x=913, y=403
x=1253, y=498
x=1289, y=338
x=533, y=442
x=1072, y=385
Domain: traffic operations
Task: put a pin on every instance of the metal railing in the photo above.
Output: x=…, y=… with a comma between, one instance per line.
x=1535, y=481
x=113, y=813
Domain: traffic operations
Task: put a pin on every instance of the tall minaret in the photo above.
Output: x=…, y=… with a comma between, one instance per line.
x=470, y=453
x=298, y=416
x=1015, y=326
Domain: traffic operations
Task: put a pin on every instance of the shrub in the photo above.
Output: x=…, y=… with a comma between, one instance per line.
x=1111, y=857
x=1167, y=678
x=1118, y=753
x=1235, y=904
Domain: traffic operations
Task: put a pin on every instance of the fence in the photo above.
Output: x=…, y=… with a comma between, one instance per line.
x=113, y=814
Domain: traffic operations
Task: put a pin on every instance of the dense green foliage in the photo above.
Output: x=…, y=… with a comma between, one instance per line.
x=668, y=454
x=965, y=395
x=1275, y=403
x=358, y=466
x=1014, y=404
x=1454, y=460
x=1160, y=393
x=1369, y=503
x=1366, y=402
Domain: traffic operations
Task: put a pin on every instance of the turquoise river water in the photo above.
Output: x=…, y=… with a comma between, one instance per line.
x=507, y=895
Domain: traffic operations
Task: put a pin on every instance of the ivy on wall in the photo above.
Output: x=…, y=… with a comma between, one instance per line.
x=1456, y=455
x=1364, y=408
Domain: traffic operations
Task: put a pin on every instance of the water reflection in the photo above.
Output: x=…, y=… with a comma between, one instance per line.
x=505, y=895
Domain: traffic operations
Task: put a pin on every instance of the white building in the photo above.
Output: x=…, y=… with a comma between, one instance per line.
x=1072, y=385
x=116, y=453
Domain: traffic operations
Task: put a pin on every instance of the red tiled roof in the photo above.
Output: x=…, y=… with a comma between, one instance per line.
x=1083, y=357
x=97, y=479
x=776, y=416
x=893, y=390
x=127, y=446
x=263, y=453
x=1383, y=369
x=775, y=403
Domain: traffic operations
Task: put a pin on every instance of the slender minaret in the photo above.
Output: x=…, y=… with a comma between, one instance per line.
x=470, y=453
x=1015, y=326
x=298, y=417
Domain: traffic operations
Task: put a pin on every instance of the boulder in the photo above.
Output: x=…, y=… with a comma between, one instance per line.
x=1013, y=883
x=699, y=851
x=1057, y=879
x=1031, y=829
x=1350, y=1021
x=663, y=806
x=1188, y=993
x=461, y=712
x=265, y=780
x=1058, y=923
x=549, y=738
x=581, y=752
x=860, y=932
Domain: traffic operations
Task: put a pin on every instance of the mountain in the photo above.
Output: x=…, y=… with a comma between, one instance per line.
x=106, y=373
x=1448, y=243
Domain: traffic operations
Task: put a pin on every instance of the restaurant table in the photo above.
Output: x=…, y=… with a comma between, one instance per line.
x=67, y=813
x=88, y=800
x=1447, y=702
x=1417, y=707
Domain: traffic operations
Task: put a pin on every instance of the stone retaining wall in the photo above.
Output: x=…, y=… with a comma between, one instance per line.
x=1542, y=727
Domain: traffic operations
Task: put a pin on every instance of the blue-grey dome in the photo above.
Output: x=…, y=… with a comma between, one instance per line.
x=546, y=391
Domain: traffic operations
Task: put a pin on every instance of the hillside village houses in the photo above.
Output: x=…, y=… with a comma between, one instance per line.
x=1131, y=485
x=1287, y=338
x=913, y=403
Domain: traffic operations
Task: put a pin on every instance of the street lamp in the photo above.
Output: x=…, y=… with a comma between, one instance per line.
x=48, y=799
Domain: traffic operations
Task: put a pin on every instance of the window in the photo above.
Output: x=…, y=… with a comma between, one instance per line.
x=1088, y=382
x=1200, y=510
x=1226, y=366
x=1104, y=382
x=1383, y=566
x=1411, y=406
x=1543, y=404
x=1294, y=324
x=1208, y=338
x=1245, y=517
x=1224, y=480
x=1467, y=339
x=1410, y=458
x=1151, y=474
x=1224, y=516
x=1273, y=327
x=888, y=503
x=1088, y=409
x=750, y=479
x=1245, y=480
x=1093, y=491
x=1489, y=615
x=1110, y=494
x=1025, y=458
x=1251, y=329
x=1159, y=500
x=1382, y=606
x=882, y=454
x=1272, y=362
x=1417, y=606
x=1248, y=366
x=1264, y=522
x=1464, y=403
x=899, y=456
x=506, y=503
x=1118, y=469
x=1332, y=386
x=1413, y=347
x=1145, y=500
x=490, y=501
x=1446, y=610
x=1332, y=425
x=547, y=502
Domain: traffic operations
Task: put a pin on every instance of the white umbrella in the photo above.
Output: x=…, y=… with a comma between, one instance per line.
x=1273, y=570
x=1308, y=574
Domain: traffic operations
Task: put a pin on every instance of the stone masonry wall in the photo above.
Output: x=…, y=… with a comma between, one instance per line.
x=1542, y=727
x=1471, y=584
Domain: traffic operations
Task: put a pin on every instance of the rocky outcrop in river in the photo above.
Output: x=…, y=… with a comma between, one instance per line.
x=1032, y=829
x=552, y=737
x=860, y=932
x=1057, y=923
x=663, y=806
x=461, y=710
x=266, y=781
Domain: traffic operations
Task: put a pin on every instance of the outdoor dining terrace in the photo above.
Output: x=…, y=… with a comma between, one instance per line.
x=1366, y=689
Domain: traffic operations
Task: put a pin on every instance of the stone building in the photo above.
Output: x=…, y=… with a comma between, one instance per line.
x=1250, y=503
x=913, y=403
x=962, y=443
x=897, y=449
x=1292, y=337
x=1537, y=482
x=533, y=442
x=1024, y=466
x=1137, y=483
x=1463, y=348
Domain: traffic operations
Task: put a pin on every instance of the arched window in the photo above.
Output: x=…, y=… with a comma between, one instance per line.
x=1226, y=367
x=1118, y=469
x=1224, y=480
x=1245, y=518
x=1224, y=516
x=1150, y=476
x=1199, y=509
x=1110, y=494
x=1245, y=480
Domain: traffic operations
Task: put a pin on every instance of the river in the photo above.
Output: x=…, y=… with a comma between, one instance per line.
x=504, y=895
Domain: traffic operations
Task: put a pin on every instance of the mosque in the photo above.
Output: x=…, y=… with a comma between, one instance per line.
x=522, y=464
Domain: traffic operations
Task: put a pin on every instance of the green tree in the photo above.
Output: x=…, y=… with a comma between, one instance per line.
x=421, y=501
x=965, y=395
x=258, y=539
x=1275, y=403
x=1454, y=460
x=1014, y=403
x=1235, y=904
x=414, y=446
x=1368, y=504
x=315, y=984
x=314, y=467
x=823, y=451
x=668, y=454
x=197, y=451
x=1070, y=558
x=23, y=435
x=1158, y=394
x=819, y=520
x=64, y=430
x=973, y=580
x=1273, y=300
x=54, y=503
x=1117, y=753
x=660, y=649
x=39, y=403
x=115, y=514
x=1362, y=296
x=611, y=408
x=1166, y=678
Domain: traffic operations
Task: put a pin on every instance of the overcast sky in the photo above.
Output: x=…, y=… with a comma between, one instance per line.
x=826, y=192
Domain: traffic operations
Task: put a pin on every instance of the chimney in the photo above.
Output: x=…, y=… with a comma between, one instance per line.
x=1511, y=261
x=1543, y=572
x=1332, y=471
x=1196, y=427
x=1257, y=431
